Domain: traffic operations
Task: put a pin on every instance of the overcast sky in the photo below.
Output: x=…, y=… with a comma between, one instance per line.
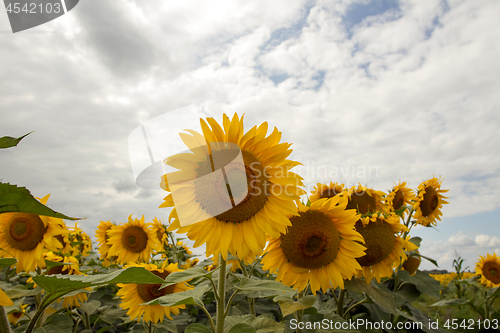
x=372, y=91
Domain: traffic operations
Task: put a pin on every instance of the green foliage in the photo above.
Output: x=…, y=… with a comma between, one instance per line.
x=8, y=141
x=15, y=199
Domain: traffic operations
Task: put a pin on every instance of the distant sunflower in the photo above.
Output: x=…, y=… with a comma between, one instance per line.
x=489, y=269
x=24, y=237
x=17, y=314
x=385, y=248
x=366, y=200
x=429, y=202
x=102, y=237
x=133, y=241
x=67, y=248
x=320, y=247
x=260, y=205
x=133, y=295
x=73, y=268
x=161, y=231
x=84, y=244
x=400, y=196
x=322, y=191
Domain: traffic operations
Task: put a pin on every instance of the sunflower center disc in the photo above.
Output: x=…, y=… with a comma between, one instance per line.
x=430, y=202
x=398, y=200
x=134, y=239
x=312, y=241
x=247, y=185
x=362, y=201
x=24, y=231
x=379, y=241
x=491, y=271
x=330, y=192
x=149, y=292
x=56, y=270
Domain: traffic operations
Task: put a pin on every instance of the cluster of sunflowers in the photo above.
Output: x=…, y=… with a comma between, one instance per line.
x=235, y=194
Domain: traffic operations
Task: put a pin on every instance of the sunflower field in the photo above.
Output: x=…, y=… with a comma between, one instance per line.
x=339, y=259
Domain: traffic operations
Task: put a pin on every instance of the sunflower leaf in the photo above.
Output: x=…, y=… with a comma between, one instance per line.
x=264, y=288
x=289, y=306
x=8, y=141
x=424, y=283
x=197, y=328
x=242, y=328
x=7, y=262
x=50, y=263
x=451, y=302
x=379, y=296
x=66, y=283
x=193, y=296
x=15, y=199
x=186, y=275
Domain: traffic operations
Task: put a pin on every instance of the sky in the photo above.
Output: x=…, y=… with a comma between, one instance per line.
x=371, y=92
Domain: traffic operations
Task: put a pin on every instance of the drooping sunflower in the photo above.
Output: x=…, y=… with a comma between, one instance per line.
x=102, y=237
x=489, y=269
x=400, y=196
x=385, y=248
x=133, y=295
x=17, y=314
x=24, y=237
x=366, y=200
x=133, y=241
x=429, y=202
x=320, y=247
x=238, y=187
x=161, y=231
x=326, y=191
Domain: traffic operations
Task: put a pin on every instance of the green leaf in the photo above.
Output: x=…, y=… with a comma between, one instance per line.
x=21, y=291
x=451, y=302
x=15, y=199
x=382, y=298
x=50, y=263
x=110, y=315
x=61, y=321
x=416, y=241
x=8, y=141
x=186, y=275
x=90, y=307
x=7, y=262
x=197, y=328
x=424, y=283
x=49, y=329
x=66, y=283
x=264, y=288
x=428, y=259
x=104, y=329
x=193, y=296
x=242, y=328
x=289, y=306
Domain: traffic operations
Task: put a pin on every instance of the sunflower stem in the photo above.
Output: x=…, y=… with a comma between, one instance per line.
x=251, y=301
x=150, y=327
x=174, y=246
x=86, y=321
x=340, y=303
x=222, y=294
x=208, y=316
x=4, y=321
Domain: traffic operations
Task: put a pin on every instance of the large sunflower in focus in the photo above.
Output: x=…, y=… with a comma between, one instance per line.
x=384, y=247
x=133, y=241
x=320, y=247
x=400, y=196
x=489, y=269
x=24, y=236
x=366, y=200
x=236, y=185
x=102, y=237
x=133, y=295
x=322, y=191
x=429, y=202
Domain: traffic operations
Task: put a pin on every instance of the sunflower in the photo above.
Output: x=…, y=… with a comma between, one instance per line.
x=134, y=295
x=237, y=184
x=400, y=196
x=17, y=314
x=385, y=248
x=71, y=269
x=161, y=231
x=429, y=202
x=489, y=269
x=63, y=238
x=320, y=247
x=366, y=200
x=326, y=191
x=133, y=241
x=102, y=237
x=24, y=237
x=81, y=239
x=412, y=263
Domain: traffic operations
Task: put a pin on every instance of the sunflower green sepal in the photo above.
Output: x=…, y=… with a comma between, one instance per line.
x=15, y=199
